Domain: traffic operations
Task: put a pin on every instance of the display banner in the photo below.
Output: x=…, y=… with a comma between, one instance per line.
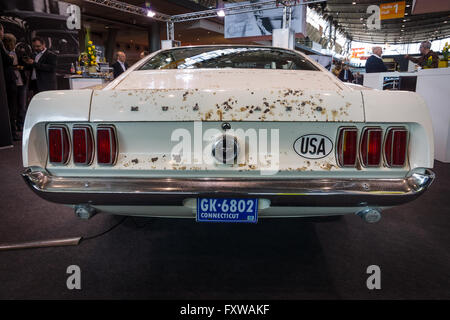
x=260, y=23
x=5, y=127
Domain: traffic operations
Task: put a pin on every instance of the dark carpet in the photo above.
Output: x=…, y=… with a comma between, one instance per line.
x=181, y=259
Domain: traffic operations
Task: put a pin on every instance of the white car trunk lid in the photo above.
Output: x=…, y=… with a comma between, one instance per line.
x=227, y=95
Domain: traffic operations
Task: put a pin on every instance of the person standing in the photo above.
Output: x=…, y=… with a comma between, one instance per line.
x=121, y=64
x=10, y=84
x=346, y=75
x=429, y=58
x=143, y=54
x=375, y=62
x=10, y=44
x=336, y=68
x=43, y=74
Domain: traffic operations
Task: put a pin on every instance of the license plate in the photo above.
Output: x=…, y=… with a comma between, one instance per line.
x=227, y=210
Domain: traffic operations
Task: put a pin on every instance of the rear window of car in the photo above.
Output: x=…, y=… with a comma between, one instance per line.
x=228, y=58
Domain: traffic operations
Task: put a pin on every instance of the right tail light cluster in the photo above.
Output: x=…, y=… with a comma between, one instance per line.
x=371, y=150
x=82, y=145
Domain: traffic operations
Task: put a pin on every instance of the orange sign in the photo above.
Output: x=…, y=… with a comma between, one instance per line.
x=393, y=10
x=357, y=52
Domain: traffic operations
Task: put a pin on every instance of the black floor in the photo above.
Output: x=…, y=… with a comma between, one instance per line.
x=178, y=258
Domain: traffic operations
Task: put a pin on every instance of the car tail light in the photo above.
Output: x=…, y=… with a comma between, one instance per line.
x=370, y=149
x=106, y=145
x=58, y=145
x=82, y=145
x=395, y=147
x=347, y=147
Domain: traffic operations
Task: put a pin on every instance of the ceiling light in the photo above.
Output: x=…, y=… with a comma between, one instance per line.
x=150, y=13
x=445, y=21
x=406, y=13
x=354, y=2
x=221, y=13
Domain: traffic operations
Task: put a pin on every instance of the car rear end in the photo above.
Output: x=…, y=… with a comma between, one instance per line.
x=234, y=145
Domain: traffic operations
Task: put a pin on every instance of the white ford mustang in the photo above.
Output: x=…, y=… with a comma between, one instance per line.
x=228, y=134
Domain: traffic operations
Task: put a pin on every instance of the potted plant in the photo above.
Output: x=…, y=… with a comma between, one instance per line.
x=429, y=63
x=445, y=53
x=92, y=57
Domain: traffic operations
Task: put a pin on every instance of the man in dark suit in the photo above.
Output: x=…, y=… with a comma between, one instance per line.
x=121, y=64
x=375, y=63
x=346, y=75
x=43, y=66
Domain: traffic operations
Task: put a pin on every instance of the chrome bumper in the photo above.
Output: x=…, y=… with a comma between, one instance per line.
x=335, y=192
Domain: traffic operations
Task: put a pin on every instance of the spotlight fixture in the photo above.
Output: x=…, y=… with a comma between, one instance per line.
x=221, y=13
x=150, y=13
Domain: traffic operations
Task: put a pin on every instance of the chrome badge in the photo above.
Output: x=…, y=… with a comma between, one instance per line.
x=225, y=149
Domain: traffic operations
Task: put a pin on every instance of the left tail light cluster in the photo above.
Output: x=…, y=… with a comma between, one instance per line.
x=81, y=144
x=370, y=149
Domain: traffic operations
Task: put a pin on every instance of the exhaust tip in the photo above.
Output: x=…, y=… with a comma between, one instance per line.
x=369, y=215
x=84, y=211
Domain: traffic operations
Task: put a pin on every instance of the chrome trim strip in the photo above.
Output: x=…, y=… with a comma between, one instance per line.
x=40, y=244
x=337, y=192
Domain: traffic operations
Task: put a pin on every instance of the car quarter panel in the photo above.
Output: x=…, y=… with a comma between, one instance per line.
x=404, y=107
x=50, y=106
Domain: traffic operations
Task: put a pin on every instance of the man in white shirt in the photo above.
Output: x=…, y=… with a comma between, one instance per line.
x=121, y=65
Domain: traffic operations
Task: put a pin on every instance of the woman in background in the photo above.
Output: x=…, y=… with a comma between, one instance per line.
x=21, y=95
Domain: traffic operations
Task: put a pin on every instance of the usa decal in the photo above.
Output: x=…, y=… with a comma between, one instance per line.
x=313, y=146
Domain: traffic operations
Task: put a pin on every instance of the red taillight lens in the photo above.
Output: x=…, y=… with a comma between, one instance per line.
x=106, y=145
x=347, y=147
x=395, y=147
x=370, y=149
x=58, y=145
x=82, y=145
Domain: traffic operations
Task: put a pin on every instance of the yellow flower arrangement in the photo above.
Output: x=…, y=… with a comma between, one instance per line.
x=445, y=51
x=91, y=54
x=429, y=62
